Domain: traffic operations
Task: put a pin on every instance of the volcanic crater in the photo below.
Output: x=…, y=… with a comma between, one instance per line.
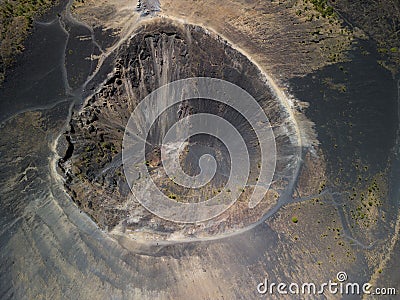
x=159, y=52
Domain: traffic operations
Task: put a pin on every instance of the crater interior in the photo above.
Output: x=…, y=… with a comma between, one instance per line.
x=160, y=52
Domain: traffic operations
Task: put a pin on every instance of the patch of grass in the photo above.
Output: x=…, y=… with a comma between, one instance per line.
x=323, y=8
x=172, y=196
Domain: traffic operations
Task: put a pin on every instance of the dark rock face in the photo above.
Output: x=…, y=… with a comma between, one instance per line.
x=161, y=52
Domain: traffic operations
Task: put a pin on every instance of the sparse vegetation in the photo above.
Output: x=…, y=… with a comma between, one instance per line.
x=172, y=196
x=16, y=18
x=323, y=8
x=380, y=21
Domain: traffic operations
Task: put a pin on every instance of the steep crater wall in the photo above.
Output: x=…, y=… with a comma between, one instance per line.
x=162, y=51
